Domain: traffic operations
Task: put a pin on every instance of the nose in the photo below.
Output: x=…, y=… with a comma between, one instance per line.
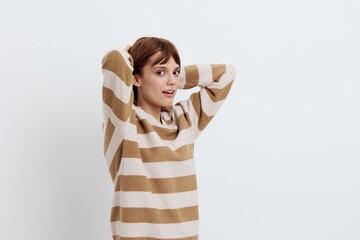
x=172, y=80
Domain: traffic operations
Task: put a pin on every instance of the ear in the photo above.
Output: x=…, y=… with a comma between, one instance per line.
x=136, y=80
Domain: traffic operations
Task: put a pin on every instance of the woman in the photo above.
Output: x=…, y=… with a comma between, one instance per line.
x=149, y=141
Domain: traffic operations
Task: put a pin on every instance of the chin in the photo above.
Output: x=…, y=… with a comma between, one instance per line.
x=168, y=103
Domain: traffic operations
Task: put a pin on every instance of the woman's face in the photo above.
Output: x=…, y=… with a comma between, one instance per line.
x=158, y=84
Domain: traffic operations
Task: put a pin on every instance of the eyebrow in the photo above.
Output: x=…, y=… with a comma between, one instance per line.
x=160, y=67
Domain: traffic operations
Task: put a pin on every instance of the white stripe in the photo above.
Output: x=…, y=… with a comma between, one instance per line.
x=126, y=56
x=114, y=144
x=152, y=139
x=226, y=78
x=109, y=113
x=159, y=201
x=117, y=136
x=120, y=125
x=182, y=78
x=173, y=230
x=141, y=115
x=207, y=105
x=118, y=86
x=169, y=169
x=189, y=107
x=105, y=122
x=131, y=132
x=205, y=75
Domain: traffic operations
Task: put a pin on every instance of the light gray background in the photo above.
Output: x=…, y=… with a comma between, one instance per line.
x=280, y=160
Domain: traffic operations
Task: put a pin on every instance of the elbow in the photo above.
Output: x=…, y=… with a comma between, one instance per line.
x=231, y=71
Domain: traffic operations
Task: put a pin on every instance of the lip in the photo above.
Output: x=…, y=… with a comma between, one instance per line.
x=170, y=93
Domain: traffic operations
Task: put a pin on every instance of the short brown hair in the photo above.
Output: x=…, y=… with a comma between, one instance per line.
x=145, y=47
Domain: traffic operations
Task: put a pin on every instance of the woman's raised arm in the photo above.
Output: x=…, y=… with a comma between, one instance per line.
x=215, y=81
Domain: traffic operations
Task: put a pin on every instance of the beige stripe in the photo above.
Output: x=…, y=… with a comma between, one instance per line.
x=131, y=149
x=203, y=119
x=152, y=139
x=191, y=76
x=218, y=94
x=153, y=215
x=117, y=237
x=157, y=154
x=136, y=166
x=151, y=200
x=160, y=154
x=120, y=109
x=108, y=113
x=108, y=134
x=225, y=79
x=115, y=163
x=113, y=147
x=115, y=62
x=165, y=133
x=207, y=105
x=117, y=85
x=217, y=71
x=161, y=231
x=156, y=185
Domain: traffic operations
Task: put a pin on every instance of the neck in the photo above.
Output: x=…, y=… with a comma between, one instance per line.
x=153, y=110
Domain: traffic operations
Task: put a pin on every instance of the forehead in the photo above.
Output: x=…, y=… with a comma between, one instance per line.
x=170, y=63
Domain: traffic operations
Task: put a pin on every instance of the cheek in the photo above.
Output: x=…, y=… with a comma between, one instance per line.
x=152, y=86
x=156, y=83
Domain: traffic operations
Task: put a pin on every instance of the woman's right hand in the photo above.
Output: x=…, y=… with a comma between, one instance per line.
x=127, y=48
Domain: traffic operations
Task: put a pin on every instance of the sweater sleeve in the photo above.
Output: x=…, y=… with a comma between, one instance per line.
x=117, y=100
x=215, y=82
x=117, y=85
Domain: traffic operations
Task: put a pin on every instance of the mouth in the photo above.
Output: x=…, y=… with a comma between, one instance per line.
x=169, y=93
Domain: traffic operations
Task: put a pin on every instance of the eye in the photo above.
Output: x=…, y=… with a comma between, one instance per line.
x=160, y=73
x=176, y=72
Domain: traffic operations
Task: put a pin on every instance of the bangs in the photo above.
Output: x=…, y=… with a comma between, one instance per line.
x=145, y=48
x=166, y=51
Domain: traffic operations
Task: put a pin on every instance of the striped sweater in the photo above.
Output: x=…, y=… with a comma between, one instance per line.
x=151, y=162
